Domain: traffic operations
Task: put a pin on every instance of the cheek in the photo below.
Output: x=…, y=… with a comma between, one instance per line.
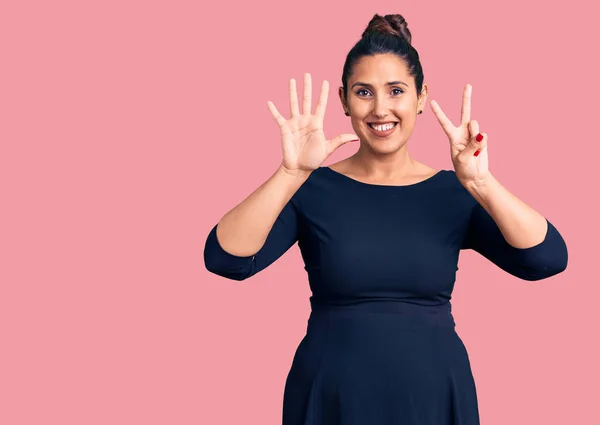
x=405, y=109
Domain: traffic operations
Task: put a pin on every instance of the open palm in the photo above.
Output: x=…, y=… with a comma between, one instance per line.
x=304, y=144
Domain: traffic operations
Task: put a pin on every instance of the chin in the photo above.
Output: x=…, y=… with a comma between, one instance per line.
x=385, y=147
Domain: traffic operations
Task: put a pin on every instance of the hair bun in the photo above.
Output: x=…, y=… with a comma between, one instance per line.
x=389, y=24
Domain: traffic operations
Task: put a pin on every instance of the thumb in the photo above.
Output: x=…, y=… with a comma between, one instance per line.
x=340, y=140
x=474, y=144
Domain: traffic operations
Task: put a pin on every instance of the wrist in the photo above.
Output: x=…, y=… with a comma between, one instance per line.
x=294, y=174
x=479, y=186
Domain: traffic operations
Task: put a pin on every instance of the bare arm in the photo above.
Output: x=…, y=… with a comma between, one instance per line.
x=244, y=229
x=513, y=235
x=521, y=225
x=264, y=226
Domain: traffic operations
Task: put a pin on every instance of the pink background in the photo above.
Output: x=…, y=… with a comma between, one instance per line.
x=128, y=128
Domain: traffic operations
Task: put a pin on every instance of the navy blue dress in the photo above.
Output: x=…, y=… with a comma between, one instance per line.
x=380, y=346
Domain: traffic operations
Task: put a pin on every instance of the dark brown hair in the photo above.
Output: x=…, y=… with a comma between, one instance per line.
x=385, y=34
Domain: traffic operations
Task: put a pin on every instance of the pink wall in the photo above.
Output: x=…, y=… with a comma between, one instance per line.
x=128, y=128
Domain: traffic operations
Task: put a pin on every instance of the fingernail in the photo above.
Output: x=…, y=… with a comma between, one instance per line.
x=479, y=137
x=476, y=153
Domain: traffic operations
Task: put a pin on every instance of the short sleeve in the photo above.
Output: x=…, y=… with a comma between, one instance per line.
x=541, y=261
x=282, y=236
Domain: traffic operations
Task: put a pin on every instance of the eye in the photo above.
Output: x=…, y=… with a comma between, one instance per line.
x=396, y=89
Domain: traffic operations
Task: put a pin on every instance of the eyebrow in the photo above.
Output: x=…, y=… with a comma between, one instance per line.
x=391, y=83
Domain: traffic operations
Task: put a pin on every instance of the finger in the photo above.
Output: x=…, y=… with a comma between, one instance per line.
x=447, y=126
x=338, y=141
x=294, y=98
x=280, y=120
x=482, y=145
x=322, y=103
x=307, y=99
x=465, y=113
x=473, y=145
x=473, y=129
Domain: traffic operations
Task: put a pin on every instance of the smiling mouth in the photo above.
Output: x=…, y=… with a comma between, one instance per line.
x=382, y=130
x=383, y=127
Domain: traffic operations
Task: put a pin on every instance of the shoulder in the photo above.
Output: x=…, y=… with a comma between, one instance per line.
x=340, y=166
x=311, y=189
x=460, y=192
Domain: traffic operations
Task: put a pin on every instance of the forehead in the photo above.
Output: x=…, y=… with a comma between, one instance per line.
x=379, y=69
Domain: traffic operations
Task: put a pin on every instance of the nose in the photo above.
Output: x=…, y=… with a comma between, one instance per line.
x=380, y=110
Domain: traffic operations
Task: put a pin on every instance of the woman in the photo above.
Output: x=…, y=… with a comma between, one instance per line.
x=380, y=235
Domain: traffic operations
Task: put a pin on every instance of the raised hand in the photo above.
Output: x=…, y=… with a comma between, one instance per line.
x=468, y=147
x=304, y=144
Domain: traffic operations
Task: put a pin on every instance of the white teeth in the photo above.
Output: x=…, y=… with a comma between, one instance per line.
x=384, y=127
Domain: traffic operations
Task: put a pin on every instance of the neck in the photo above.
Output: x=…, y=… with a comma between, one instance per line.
x=383, y=166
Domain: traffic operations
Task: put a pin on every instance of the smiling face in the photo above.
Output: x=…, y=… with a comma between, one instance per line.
x=380, y=90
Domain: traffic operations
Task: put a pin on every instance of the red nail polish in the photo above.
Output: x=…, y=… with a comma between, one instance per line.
x=476, y=153
x=479, y=137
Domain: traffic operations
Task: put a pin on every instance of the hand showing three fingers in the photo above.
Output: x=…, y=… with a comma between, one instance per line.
x=468, y=151
x=304, y=144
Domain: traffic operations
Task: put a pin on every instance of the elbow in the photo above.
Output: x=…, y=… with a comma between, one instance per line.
x=237, y=275
x=550, y=261
x=543, y=273
x=229, y=271
x=228, y=274
x=556, y=263
x=560, y=265
x=552, y=267
x=222, y=263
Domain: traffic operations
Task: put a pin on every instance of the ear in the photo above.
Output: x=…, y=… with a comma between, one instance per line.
x=342, y=97
x=423, y=98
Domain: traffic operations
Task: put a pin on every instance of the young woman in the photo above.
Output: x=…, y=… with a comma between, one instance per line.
x=380, y=235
